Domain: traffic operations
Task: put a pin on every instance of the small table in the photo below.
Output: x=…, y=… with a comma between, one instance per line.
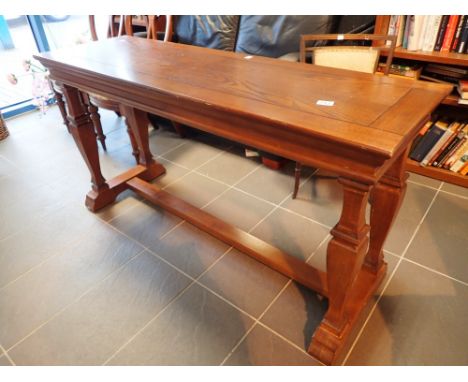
x=277, y=107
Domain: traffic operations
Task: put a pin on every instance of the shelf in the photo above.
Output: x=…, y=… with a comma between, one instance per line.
x=437, y=173
x=448, y=58
x=452, y=100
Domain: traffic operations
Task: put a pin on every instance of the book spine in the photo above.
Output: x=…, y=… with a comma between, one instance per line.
x=463, y=37
x=431, y=33
x=456, y=38
x=448, y=151
x=392, y=26
x=407, y=30
x=458, y=165
x=450, y=32
x=435, y=148
x=464, y=170
x=401, y=31
x=451, y=158
x=426, y=143
x=441, y=32
x=415, y=33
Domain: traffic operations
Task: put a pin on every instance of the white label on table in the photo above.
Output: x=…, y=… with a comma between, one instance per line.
x=322, y=102
x=340, y=37
x=248, y=57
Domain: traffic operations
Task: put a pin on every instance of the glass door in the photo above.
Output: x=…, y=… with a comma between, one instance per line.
x=22, y=36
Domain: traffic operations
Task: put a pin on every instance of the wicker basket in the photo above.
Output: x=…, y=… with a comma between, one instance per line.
x=3, y=129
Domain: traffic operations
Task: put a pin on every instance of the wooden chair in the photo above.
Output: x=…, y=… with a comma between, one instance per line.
x=118, y=25
x=362, y=58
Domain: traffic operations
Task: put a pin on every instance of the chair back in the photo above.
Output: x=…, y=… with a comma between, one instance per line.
x=358, y=58
x=118, y=25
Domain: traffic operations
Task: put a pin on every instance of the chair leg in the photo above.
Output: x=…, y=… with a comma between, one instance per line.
x=180, y=129
x=96, y=118
x=297, y=178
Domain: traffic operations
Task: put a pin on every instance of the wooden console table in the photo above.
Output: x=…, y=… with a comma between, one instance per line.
x=277, y=107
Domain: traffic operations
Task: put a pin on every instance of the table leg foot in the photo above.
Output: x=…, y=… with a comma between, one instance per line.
x=330, y=346
x=95, y=200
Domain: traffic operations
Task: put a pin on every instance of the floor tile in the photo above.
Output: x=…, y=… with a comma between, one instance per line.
x=162, y=140
x=415, y=204
x=295, y=235
x=192, y=154
x=38, y=295
x=230, y=166
x=173, y=172
x=196, y=329
x=34, y=244
x=454, y=189
x=92, y=329
x=298, y=310
x=245, y=282
x=420, y=320
x=4, y=361
x=196, y=189
x=319, y=199
x=189, y=249
x=271, y=185
x=239, y=209
x=442, y=241
x=424, y=180
x=7, y=168
x=145, y=223
x=264, y=348
x=296, y=314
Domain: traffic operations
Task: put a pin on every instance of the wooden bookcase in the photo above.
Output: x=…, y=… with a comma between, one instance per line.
x=448, y=106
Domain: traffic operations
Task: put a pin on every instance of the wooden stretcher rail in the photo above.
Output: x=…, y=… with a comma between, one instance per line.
x=266, y=253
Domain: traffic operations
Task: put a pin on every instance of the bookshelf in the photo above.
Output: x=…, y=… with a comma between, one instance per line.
x=449, y=105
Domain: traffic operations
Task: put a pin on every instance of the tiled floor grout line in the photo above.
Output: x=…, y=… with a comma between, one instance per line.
x=74, y=242
x=7, y=356
x=437, y=189
x=194, y=281
x=257, y=320
x=170, y=183
x=390, y=278
x=91, y=288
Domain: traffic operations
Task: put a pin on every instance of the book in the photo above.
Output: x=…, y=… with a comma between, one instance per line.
x=445, y=135
x=430, y=35
x=421, y=133
x=462, y=91
x=464, y=170
x=407, y=30
x=448, y=137
x=392, y=27
x=400, y=31
x=427, y=142
x=458, y=165
x=411, y=71
x=456, y=38
x=462, y=101
x=456, y=153
x=448, y=151
x=450, y=71
x=441, y=32
x=415, y=32
x=449, y=33
x=463, y=37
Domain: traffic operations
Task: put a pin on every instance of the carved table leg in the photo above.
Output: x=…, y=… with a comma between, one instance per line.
x=96, y=118
x=63, y=110
x=137, y=121
x=387, y=196
x=133, y=142
x=82, y=130
x=345, y=256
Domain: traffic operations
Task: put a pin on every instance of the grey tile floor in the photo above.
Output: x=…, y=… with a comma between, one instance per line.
x=134, y=285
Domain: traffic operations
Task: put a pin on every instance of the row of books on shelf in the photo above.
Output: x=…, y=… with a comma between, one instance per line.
x=443, y=143
x=444, y=33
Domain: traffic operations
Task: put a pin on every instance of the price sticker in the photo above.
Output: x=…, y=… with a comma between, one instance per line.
x=322, y=102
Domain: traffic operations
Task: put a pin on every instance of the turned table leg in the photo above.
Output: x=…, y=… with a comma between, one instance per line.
x=345, y=257
x=63, y=110
x=82, y=130
x=387, y=196
x=137, y=122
